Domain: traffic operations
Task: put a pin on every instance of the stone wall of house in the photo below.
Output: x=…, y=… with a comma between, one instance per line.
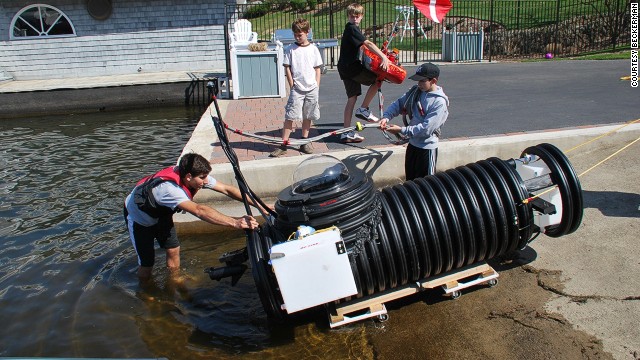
x=150, y=36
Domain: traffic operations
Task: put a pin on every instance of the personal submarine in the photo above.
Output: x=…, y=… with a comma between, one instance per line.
x=336, y=241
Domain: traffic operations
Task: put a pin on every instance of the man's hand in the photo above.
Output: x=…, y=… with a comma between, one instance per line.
x=245, y=222
x=383, y=123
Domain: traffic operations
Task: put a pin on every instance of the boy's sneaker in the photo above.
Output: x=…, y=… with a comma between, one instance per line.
x=278, y=152
x=306, y=148
x=351, y=137
x=365, y=114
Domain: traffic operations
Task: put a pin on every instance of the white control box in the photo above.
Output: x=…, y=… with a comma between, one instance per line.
x=531, y=171
x=312, y=271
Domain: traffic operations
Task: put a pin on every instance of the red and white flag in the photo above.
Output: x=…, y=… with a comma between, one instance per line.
x=433, y=9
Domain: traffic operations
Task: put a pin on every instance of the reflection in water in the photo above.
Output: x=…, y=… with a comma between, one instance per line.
x=67, y=270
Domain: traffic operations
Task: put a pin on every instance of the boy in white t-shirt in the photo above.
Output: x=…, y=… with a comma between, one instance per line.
x=302, y=63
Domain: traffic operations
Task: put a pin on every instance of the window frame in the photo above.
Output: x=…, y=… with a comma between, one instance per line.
x=42, y=32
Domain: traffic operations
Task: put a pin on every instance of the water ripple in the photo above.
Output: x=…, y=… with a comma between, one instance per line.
x=63, y=182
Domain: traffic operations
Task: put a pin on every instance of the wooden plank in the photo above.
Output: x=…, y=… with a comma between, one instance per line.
x=488, y=273
x=375, y=300
x=451, y=284
x=335, y=318
x=375, y=303
x=456, y=275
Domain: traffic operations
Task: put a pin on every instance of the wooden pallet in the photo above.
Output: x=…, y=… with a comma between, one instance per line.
x=373, y=306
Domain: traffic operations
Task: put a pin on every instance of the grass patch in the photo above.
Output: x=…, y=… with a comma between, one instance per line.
x=618, y=55
x=602, y=55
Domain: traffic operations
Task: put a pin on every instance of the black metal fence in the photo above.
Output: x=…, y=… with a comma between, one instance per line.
x=473, y=30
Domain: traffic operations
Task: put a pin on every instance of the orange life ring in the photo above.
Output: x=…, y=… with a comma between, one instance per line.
x=394, y=74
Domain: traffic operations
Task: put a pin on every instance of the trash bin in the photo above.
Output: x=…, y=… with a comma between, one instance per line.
x=462, y=46
x=257, y=73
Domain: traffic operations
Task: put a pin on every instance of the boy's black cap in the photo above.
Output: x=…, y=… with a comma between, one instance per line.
x=426, y=71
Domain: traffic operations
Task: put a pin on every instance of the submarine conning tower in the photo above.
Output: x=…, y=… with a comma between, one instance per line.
x=406, y=233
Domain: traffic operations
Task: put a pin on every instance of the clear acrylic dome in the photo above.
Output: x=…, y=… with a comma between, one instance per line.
x=318, y=173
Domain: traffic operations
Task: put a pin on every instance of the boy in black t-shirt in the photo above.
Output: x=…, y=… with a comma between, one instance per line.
x=354, y=74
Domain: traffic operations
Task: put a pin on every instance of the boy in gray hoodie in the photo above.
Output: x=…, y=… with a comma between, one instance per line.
x=426, y=108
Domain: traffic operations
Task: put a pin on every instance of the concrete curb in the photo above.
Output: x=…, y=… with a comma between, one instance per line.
x=384, y=164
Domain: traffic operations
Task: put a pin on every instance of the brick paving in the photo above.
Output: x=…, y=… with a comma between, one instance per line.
x=265, y=117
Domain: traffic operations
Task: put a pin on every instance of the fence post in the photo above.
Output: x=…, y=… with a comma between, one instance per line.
x=227, y=54
x=375, y=21
x=332, y=32
x=490, y=29
x=615, y=33
x=415, y=35
x=555, y=40
x=518, y=15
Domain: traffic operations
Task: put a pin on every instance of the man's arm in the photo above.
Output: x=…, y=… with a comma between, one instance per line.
x=287, y=72
x=233, y=192
x=213, y=216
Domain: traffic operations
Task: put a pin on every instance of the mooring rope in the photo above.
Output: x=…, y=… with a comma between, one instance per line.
x=601, y=136
x=525, y=201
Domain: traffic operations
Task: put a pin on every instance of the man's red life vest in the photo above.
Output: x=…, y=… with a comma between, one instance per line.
x=143, y=196
x=169, y=174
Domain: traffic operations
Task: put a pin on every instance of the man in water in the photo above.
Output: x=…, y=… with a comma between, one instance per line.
x=149, y=210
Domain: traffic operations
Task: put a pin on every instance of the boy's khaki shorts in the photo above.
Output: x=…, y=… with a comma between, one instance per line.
x=302, y=105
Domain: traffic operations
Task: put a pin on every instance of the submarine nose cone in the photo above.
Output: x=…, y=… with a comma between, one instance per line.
x=318, y=173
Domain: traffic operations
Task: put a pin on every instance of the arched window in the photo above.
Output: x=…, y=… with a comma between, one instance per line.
x=40, y=20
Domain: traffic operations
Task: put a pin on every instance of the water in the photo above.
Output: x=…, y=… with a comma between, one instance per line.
x=67, y=270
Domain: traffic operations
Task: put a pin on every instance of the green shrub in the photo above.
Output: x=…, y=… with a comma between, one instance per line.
x=298, y=5
x=312, y=4
x=257, y=11
x=281, y=4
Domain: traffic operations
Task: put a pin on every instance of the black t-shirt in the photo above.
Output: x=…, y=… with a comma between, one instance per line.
x=349, y=60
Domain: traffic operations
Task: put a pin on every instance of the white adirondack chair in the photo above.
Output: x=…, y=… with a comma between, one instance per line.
x=242, y=34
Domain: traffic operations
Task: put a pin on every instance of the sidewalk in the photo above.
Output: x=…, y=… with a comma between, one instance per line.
x=261, y=117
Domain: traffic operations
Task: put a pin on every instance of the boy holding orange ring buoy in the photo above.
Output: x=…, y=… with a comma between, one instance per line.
x=354, y=74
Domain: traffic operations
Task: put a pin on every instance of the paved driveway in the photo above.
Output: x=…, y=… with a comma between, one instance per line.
x=497, y=98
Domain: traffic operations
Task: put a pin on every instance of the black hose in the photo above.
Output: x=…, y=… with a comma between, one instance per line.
x=572, y=181
x=347, y=206
x=559, y=178
x=266, y=284
x=397, y=250
x=519, y=193
x=417, y=230
x=498, y=214
x=475, y=225
x=467, y=243
x=407, y=247
x=440, y=227
x=509, y=243
x=483, y=216
x=433, y=252
x=377, y=265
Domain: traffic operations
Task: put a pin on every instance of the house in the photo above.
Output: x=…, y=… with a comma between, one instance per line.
x=56, y=39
